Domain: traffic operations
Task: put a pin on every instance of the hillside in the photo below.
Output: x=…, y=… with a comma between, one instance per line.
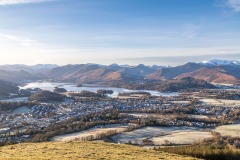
x=170, y=73
x=176, y=85
x=224, y=72
x=46, y=96
x=36, y=69
x=6, y=88
x=83, y=151
x=93, y=73
x=213, y=71
x=16, y=76
x=20, y=73
x=216, y=75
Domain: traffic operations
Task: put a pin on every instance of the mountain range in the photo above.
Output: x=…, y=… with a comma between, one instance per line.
x=216, y=71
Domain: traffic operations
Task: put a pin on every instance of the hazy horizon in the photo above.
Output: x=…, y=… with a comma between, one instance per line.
x=149, y=61
x=163, y=32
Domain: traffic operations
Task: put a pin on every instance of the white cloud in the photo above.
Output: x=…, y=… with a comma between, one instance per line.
x=234, y=4
x=26, y=42
x=191, y=30
x=9, y=2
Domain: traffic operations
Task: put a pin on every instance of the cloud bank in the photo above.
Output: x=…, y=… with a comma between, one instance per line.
x=177, y=60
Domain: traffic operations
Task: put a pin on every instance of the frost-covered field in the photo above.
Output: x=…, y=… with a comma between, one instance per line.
x=198, y=116
x=229, y=130
x=211, y=101
x=221, y=102
x=160, y=135
x=182, y=137
x=230, y=102
x=92, y=132
x=136, y=114
x=181, y=102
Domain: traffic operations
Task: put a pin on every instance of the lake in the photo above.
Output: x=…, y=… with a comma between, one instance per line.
x=73, y=88
x=21, y=110
x=19, y=99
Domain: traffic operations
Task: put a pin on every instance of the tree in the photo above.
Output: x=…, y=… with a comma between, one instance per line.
x=104, y=92
x=59, y=90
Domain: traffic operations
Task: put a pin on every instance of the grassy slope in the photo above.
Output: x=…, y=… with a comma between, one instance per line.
x=82, y=150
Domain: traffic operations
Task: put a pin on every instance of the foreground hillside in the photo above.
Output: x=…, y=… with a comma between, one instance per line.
x=83, y=150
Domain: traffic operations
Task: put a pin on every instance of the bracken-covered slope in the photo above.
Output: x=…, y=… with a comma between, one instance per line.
x=216, y=75
x=83, y=151
x=224, y=72
x=170, y=73
x=93, y=73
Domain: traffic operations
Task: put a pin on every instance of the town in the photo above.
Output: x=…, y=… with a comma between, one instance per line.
x=203, y=109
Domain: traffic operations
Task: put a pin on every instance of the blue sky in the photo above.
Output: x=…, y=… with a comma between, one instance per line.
x=163, y=32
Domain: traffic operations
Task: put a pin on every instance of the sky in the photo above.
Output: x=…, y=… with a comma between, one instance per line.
x=161, y=32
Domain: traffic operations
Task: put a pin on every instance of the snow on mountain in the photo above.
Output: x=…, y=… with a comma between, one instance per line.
x=44, y=66
x=216, y=62
x=125, y=65
x=157, y=67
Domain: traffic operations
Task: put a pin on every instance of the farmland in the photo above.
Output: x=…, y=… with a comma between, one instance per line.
x=163, y=135
x=221, y=102
x=93, y=132
x=229, y=130
x=182, y=138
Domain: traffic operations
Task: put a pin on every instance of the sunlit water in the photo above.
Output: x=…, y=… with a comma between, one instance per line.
x=19, y=99
x=73, y=87
x=21, y=110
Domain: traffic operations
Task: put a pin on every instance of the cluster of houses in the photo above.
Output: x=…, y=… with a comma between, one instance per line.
x=44, y=114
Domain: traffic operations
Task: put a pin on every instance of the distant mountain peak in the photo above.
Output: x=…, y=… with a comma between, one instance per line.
x=217, y=62
x=141, y=65
x=114, y=65
x=159, y=67
x=125, y=65
x=44, y=66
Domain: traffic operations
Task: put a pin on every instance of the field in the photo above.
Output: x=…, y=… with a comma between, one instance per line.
x=142, y=114
x=92, y=132
x=221, y=102
x=181, y=102
x=211, y=101
x=199, y=116
x=229, y=130
x=82, y=151
x=230, y=102
x=159, y=135
x=136, y=114
x=184, y=137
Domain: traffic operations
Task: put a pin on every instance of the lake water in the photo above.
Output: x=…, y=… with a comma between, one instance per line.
x=20, y=99
x=21, y=110
x=73, y=87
